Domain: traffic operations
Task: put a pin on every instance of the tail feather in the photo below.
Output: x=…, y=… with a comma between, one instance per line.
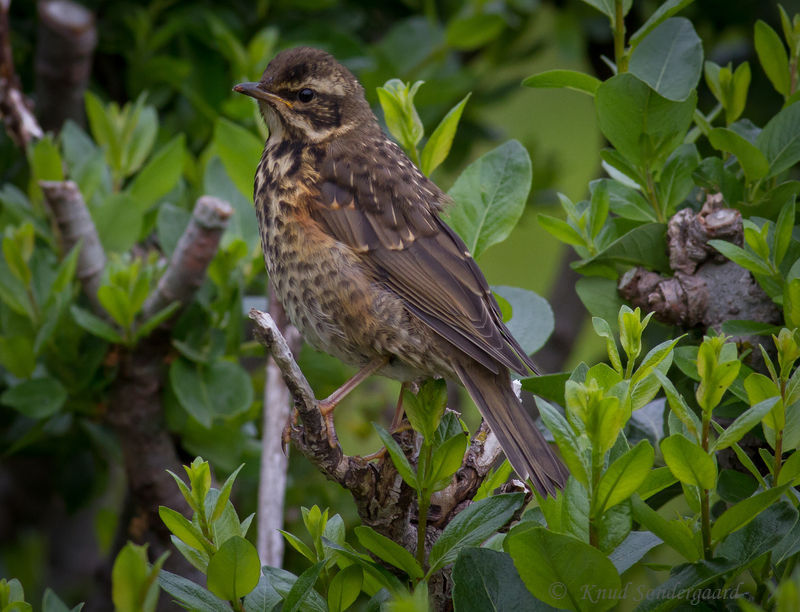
x=528, y=452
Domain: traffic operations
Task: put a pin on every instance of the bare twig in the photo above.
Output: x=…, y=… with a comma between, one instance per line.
x=66, y=39
x=21, y=124
x=75, y=225
x=195, y=250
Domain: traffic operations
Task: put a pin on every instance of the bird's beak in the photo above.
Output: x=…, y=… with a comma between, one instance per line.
x=254, y=90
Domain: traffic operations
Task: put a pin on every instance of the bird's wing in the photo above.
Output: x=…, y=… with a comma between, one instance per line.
x=379, y=204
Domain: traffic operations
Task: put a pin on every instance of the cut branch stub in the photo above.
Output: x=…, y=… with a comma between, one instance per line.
x=75, y=225
x=65, y=43
x=195, y=250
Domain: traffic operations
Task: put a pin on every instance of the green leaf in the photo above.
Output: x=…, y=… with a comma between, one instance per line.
x=487, y=580
x=752, y=161
x=738, y=255
x=296, y=598
x=159, y=175
x=741, y=514
x=141, y=140
x=780, y=140
x=490, y=196
x=607, y=7
x=468, y=33
x=345, y=588
x=118, y=221
x=669, y=59
x=688, y=462
x=532, y=319
x=679, y=406
x=191, y=594
x=566, y=440
x=264, y=598
x=633, y=248
x=782, y=238
x=561, y=230
x=373, y=571
x=438, y=146
x=790, y=470
x=675, y=533
x=95, y=325
x=234, y=569
x=447, y=458
x=144, y=330
x=643, y=126
x=773, y=58
x=171, y=222
x=243, y=224
x=745, y=327
x=663, y=12
x=571, y=79
x=38, y=398
x=744, y=423
x=239, y=151
x=134, y=587
x=224, y=495
x=623, y=477
x=472, y=526
x=389, y=551
x=117, y=303
x=399, y=460
x=556, y=568
x=760, y=535
x=733, y=486
x=791, y=303
x=45, y=160
x=220, y=390
x=299, y=546
x=397, y=101
x=184, y=529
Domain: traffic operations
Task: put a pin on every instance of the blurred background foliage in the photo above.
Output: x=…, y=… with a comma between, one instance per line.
x=184, y=56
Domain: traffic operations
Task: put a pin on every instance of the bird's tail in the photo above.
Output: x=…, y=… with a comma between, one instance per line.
x=528, y=452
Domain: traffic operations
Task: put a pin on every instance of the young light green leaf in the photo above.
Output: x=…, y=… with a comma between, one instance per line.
x=440, y=141
x=184, y=529
x=299, y=545
x=656, y=480
x=738, y=255
x=397, y=101
x=675, y=533
x=744, y=423
x=566, y=440
x=399, y=460
x=623, y=477
x=234, y=569
x=389, y=551
x=561, y=230
x=224, y=495
x=447, y=458
x=679, y=406
x=490, y=196
x=345, y=588
x=689, y=462
x=773, y=58
x=571, y=79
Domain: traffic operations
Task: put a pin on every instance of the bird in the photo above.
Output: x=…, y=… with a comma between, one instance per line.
x=364, y=265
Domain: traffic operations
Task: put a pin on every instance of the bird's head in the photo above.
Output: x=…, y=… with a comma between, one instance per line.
x=306, y=93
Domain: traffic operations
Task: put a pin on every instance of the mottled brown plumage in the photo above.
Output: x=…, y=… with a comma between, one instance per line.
x=362, y=262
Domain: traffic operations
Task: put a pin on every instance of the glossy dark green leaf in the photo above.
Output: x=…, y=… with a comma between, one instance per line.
x=487, y=580
x=634, y=248
x=264, y=598
x=389, y=551
x=345, y=588
x=760, y=535
x=780, y=140
x=295, y=600
x=399, y=460
x=739, y=515
x=191, y=594
x=635, y=546
x=220, y=390
x=37, y=398
x=664, y=11
x=472, y=526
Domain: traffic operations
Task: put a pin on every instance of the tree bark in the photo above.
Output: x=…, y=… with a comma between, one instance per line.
x=66, y=40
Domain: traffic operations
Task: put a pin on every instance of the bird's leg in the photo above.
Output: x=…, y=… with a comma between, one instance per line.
x=327, y=405
x=398, y=411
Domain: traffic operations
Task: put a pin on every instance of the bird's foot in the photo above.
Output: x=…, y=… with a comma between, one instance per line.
x=326, y=408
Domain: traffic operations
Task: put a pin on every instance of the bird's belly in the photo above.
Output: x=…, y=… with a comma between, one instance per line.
x=338, y=308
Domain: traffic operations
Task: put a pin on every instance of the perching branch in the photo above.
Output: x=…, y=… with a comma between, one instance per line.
x=15, y=110
x=75, y=225
x=65, y=42
x=195, y=250
x=383, y=500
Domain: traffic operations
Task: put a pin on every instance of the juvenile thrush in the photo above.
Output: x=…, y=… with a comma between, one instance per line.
x=362, y=262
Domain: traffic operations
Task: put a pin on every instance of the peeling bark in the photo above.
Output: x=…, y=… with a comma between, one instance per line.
x=706, y=289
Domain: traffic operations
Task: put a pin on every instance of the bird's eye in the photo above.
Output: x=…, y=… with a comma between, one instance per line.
x=305, y=95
